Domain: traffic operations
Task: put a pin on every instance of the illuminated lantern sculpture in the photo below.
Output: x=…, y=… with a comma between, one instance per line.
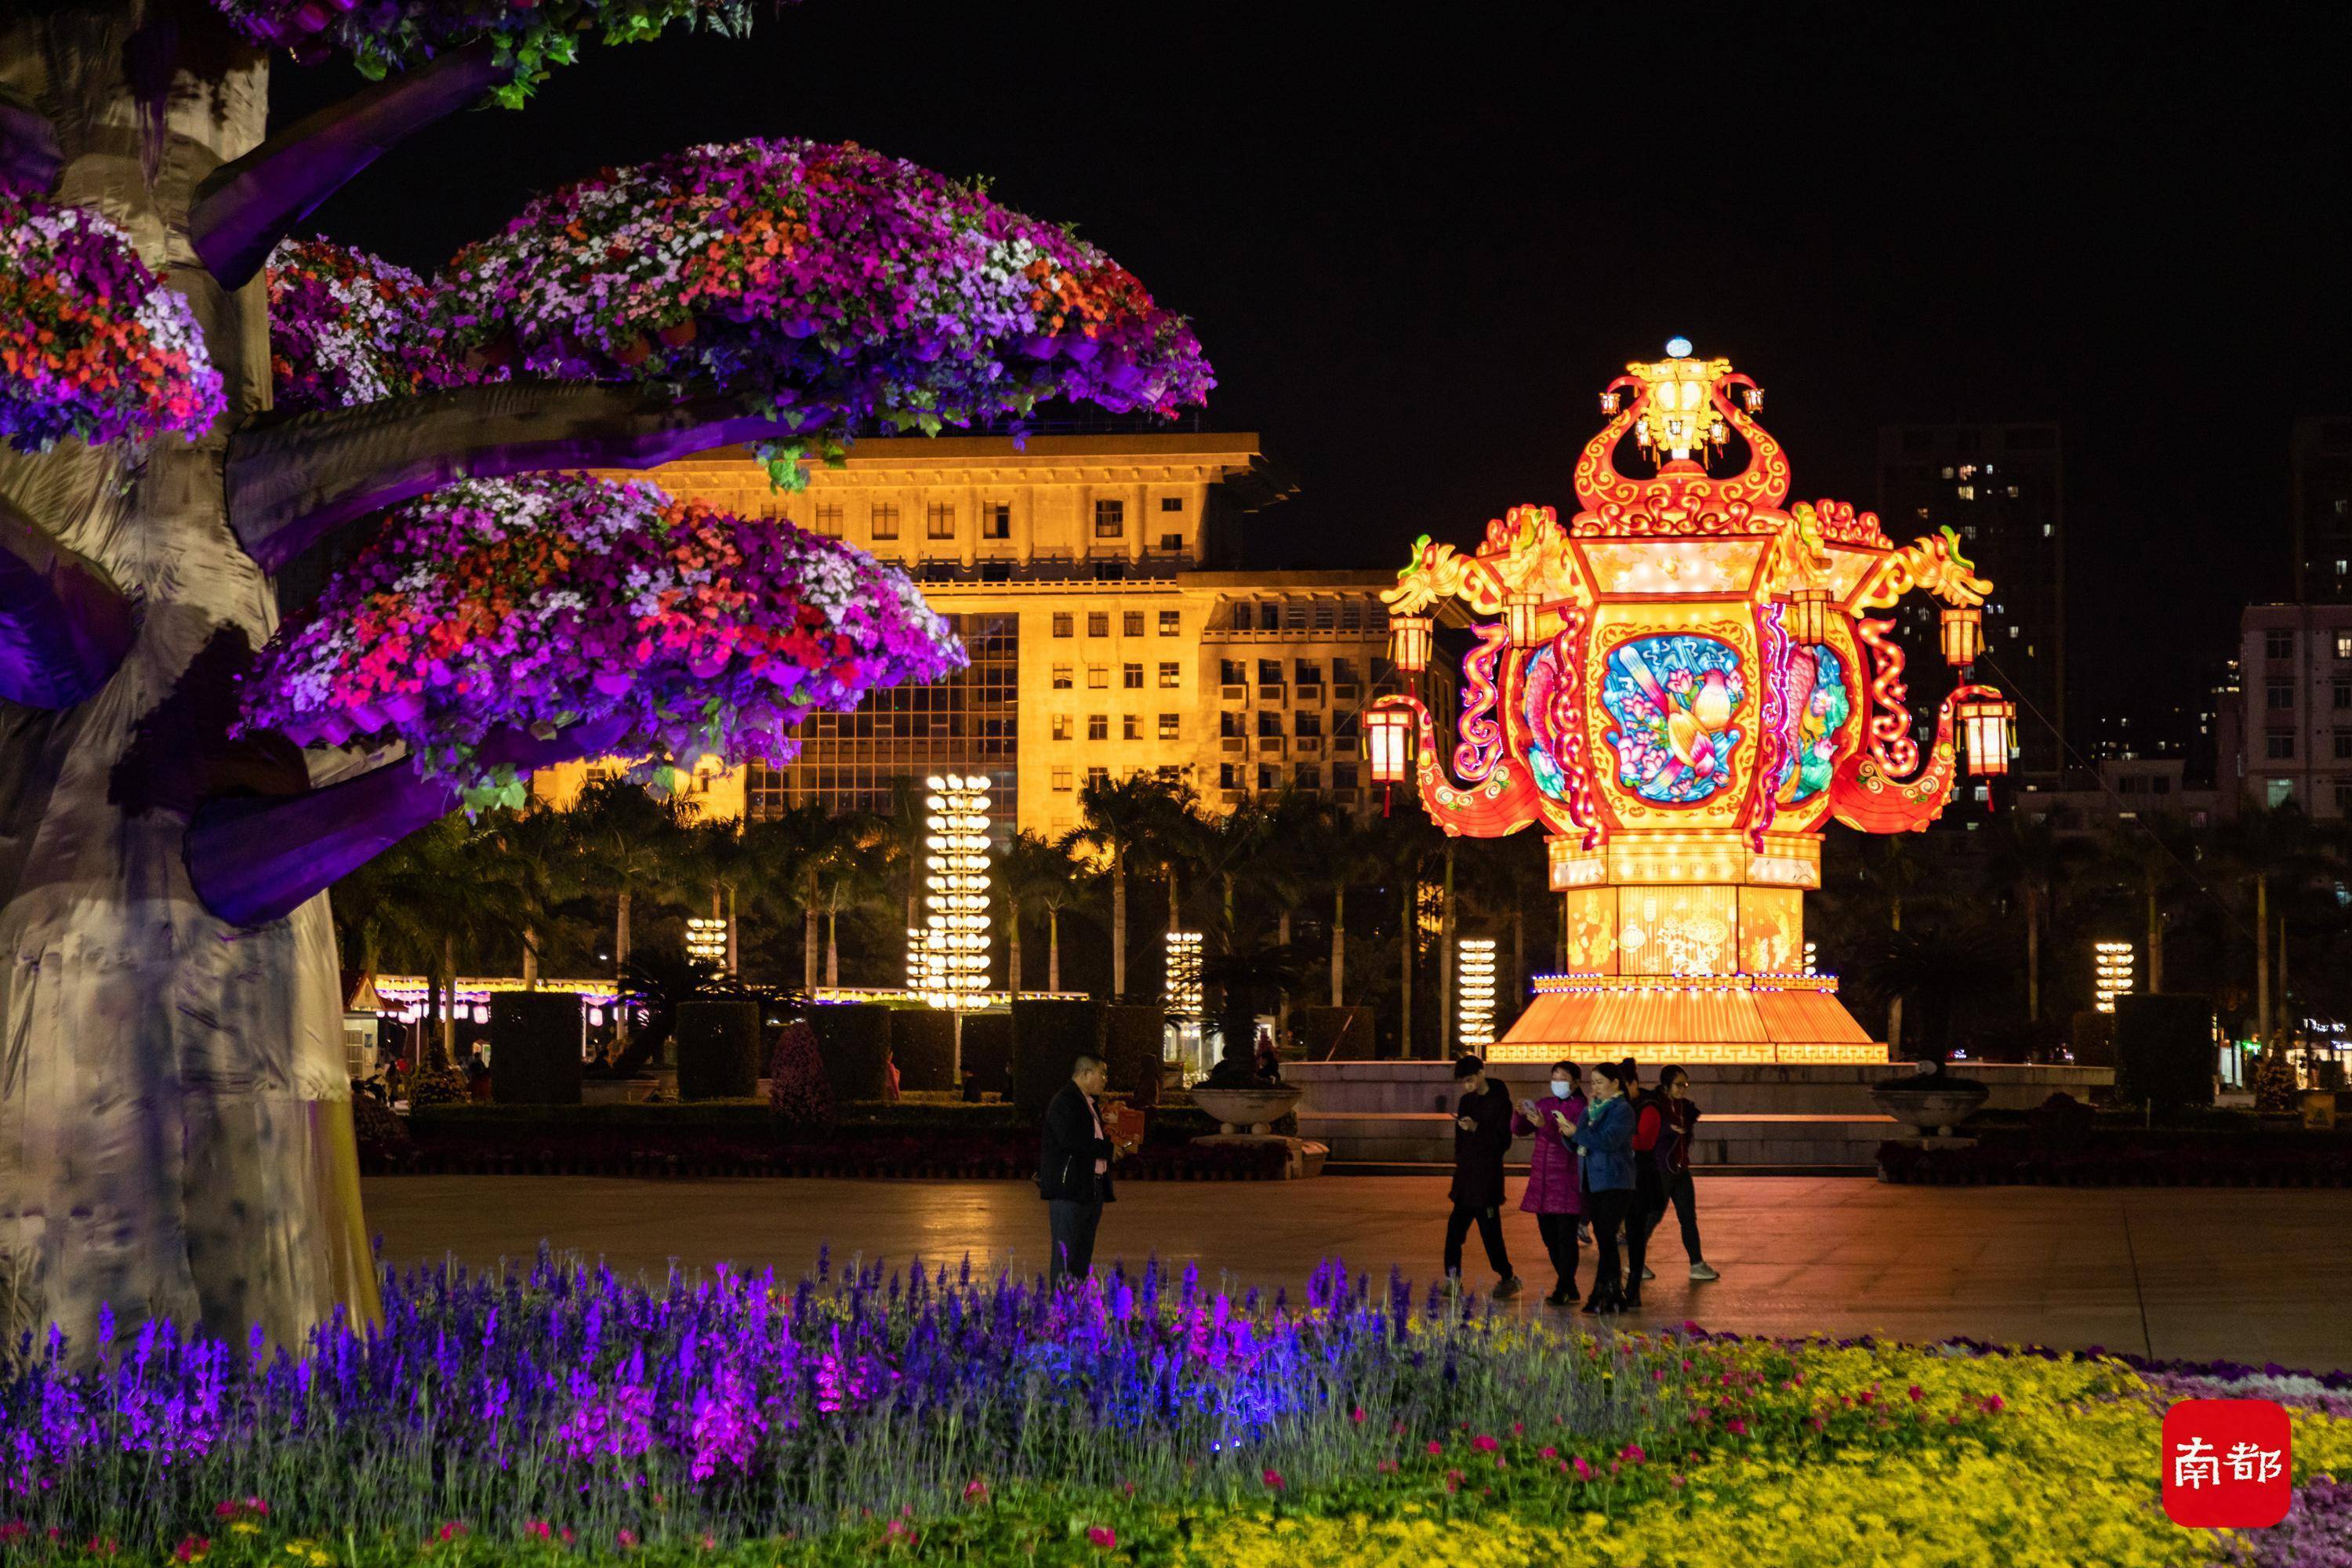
x=1409, y=639
x=1963, y=635
x=1989, y=723
x=1678, y=689
x=1388, y=738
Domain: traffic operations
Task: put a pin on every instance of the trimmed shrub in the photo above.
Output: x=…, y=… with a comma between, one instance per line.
x=437, y=1086
x=376, y=1127
x=854, y=1041
x=988, y=1051
x=1333, y=1034
x=717, y=1048
x=800, y=1091
x=1134, y=1043
x=535, y=1047
x=922, y=1042
x=2164, y=1050
x=1047, y=1038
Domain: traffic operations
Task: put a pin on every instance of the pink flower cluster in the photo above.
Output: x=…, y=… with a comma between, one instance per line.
x=535, y=604
x=827, y=286
x=92, y=345
x=348, y=328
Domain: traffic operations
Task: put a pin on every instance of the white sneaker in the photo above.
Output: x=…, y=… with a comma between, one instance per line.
x=1701, y=1272
x=1648, y=1272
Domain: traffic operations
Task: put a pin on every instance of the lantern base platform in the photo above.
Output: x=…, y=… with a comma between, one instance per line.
x=1793, y=1019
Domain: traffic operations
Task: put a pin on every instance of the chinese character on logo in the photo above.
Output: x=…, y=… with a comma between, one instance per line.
x=2225, y=1463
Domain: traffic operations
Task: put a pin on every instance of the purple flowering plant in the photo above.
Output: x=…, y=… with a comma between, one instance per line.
x=826, y=286
x=348, y=328
x=673, y=630
x=93, y=345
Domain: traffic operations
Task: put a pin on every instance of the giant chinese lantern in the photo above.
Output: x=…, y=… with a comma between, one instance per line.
x=1678, y=690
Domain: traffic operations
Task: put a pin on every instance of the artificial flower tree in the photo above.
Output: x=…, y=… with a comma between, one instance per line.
x=180, y=776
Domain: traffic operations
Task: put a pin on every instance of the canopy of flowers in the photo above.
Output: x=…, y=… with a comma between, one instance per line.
x=92, y=344
x=829, y=286
x=348, y=328
x=534, y=604
x=380, y=36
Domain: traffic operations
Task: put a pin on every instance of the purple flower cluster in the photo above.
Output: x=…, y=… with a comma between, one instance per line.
x=348, y=328
x=92, y=344
x=538, y=603
x=828, y=286
x=734, y=1406
x=2316, y=1533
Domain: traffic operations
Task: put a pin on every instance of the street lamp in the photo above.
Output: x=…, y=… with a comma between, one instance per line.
x=706, y=939
x=1183, y=986
x=956, y=922
x=2112, y=963
x=1473, y=978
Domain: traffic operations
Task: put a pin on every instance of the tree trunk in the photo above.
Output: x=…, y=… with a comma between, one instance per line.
x=1447, y=959
x=2262, y=961
x=1894, y=1007
x=529, y=959
x=2032, y=956
x=734, y=953
x=175, y=1131
x=1521, y=990
x=1404, y=947
x=621, y=1010
x=2154, y=942
x=428, y=1043
x=833, y=947
x=1012, y=948
x=808, y=944
x=1282, y=998
x=1339, y=946
x=1053, y=948
x=1117, y=923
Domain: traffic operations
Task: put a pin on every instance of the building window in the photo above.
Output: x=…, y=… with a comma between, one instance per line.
x=1172, y=503
x=2343, y=694
x=1169, y=677
x=1269, y=722
x=1098, y=726
x=1233, y=775
x=1169, y=774
x=1131, y=624
x=885, y=520
x=1062, y=726
x=2344, y=745
x=2278, y=693
x=1308, y=671
x=996, y=522
x=2278, y=643
x=1172, y=726
x=1110, y=520
x=1099, y=677
x=1230, y=723
x=1131, y=677
x=939, y=520
x=1307, y=723
x=2279, y=745
x=1310, y=776
x=1172, y=624
x=1130, y=726
x=2344, y=645
x=1062, y=681
x=1343, y=775
x=1269, y=776
x=1065, y=624
x=1171, y=544
x=1269, y=672
x=1062, y=780
x=828, y=520
x=1099, y=622
x=1098, y=777
x=1232, y=671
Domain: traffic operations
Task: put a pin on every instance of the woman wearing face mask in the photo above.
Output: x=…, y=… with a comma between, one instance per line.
x=1552, y=1195
x=1605, y=1135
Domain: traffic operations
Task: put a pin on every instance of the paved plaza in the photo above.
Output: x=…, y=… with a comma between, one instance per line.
x=2201, y=1273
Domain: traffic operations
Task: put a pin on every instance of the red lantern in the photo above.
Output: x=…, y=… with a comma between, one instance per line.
x=1987, y=723
x=1388, y=735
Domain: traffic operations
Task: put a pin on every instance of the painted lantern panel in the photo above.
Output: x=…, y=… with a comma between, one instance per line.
x=1677, y=700
x=1821, y=704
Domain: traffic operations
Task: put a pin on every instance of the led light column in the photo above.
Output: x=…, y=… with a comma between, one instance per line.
x=1473, y=982
x=954, y=956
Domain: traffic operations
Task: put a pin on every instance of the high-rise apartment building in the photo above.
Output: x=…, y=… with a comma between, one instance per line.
x=2320, y=472
x=1094, y=582
x=2296, y=734
x=2001, y=488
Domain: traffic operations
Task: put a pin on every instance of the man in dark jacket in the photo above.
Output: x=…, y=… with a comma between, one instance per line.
x=1074, y=1171
x=1482, y=1135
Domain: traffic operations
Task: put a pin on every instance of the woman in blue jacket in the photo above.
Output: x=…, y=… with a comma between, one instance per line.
x=1605, y=1137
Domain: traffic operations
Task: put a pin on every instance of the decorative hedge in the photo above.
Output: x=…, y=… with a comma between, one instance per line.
x=922, y=1044
x=535, y=1047
x=1048, y=1037
x=1135, y=1040
x=988, y=1051
x=853, y=1038
x=717, y=1048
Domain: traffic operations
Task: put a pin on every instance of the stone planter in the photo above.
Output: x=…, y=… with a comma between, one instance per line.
x=1931, y=1110
x=1252, y=1110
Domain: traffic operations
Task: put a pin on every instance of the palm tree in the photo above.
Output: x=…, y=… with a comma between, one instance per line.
x=419, y=900
x=2151, y=854
x=2266, y=847
x=1245, y=977
x=1403, y=844
x=1506, y=875
x=822, y=850
x=2031, y=861
x=629, y=843
x=1351, y=854
x=845, y=874
x=534, y=867
x=1040, y=872
x=1129, y=820
x=1951, y=974
x=1893, y=871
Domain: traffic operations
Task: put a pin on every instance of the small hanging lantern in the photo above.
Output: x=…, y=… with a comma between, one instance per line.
x=1988, y=724
x=1807, y=617
x=1521, y=612
x=1388, y=734
x=1409, y=637
x=1963, y=636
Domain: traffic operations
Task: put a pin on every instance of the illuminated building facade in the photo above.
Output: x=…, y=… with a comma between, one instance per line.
x=2295, y=717
x=1095, y=580
x=1677, y=689
x=2320, y=471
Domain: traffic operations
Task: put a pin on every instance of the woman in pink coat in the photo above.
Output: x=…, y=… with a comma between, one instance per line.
x=1553, y=1195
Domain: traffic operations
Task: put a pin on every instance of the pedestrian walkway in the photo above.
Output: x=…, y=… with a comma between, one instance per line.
x=2197, y=1273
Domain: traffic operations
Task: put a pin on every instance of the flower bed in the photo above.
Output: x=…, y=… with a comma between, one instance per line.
x=533, y=605
x=562, y=1416
x=2129, y=1158
x=92, y=345
x=829, y=287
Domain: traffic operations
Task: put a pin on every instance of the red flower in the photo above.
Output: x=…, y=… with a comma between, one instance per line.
x=1273, y=1478
x=975, y=1491
x=1485, y=1444
x=1104, y=1537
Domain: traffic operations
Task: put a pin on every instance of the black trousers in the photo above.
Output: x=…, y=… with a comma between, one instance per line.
x=1607, y=1208
x=1558, y=1233
x=1684, y=1198
x=1490, y=1232
x=1073, y=1222
x=1649, y=1204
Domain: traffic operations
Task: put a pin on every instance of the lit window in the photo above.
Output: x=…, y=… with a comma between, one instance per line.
x=1099, y=677
x=1110, y=518
x=1169, y=677
x=1062, y=779
x=885, y=520
x=1130, y=726
x=1172, y=624
x=1062, y=678
x=1098, y=726
x=1171, y=727
x=1966, y=492
x=1062, y=726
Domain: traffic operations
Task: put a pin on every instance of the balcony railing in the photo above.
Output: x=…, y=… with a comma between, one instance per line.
x=1310, y=693
x=1269, y=691
x=1234, y=693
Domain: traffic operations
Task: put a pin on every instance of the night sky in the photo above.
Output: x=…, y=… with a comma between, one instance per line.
x=1415, y=253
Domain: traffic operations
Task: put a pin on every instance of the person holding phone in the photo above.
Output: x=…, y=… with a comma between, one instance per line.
x=1482, y=1136
x=1682, y=1122
x=1554, y=1192
x=1605, y=1138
